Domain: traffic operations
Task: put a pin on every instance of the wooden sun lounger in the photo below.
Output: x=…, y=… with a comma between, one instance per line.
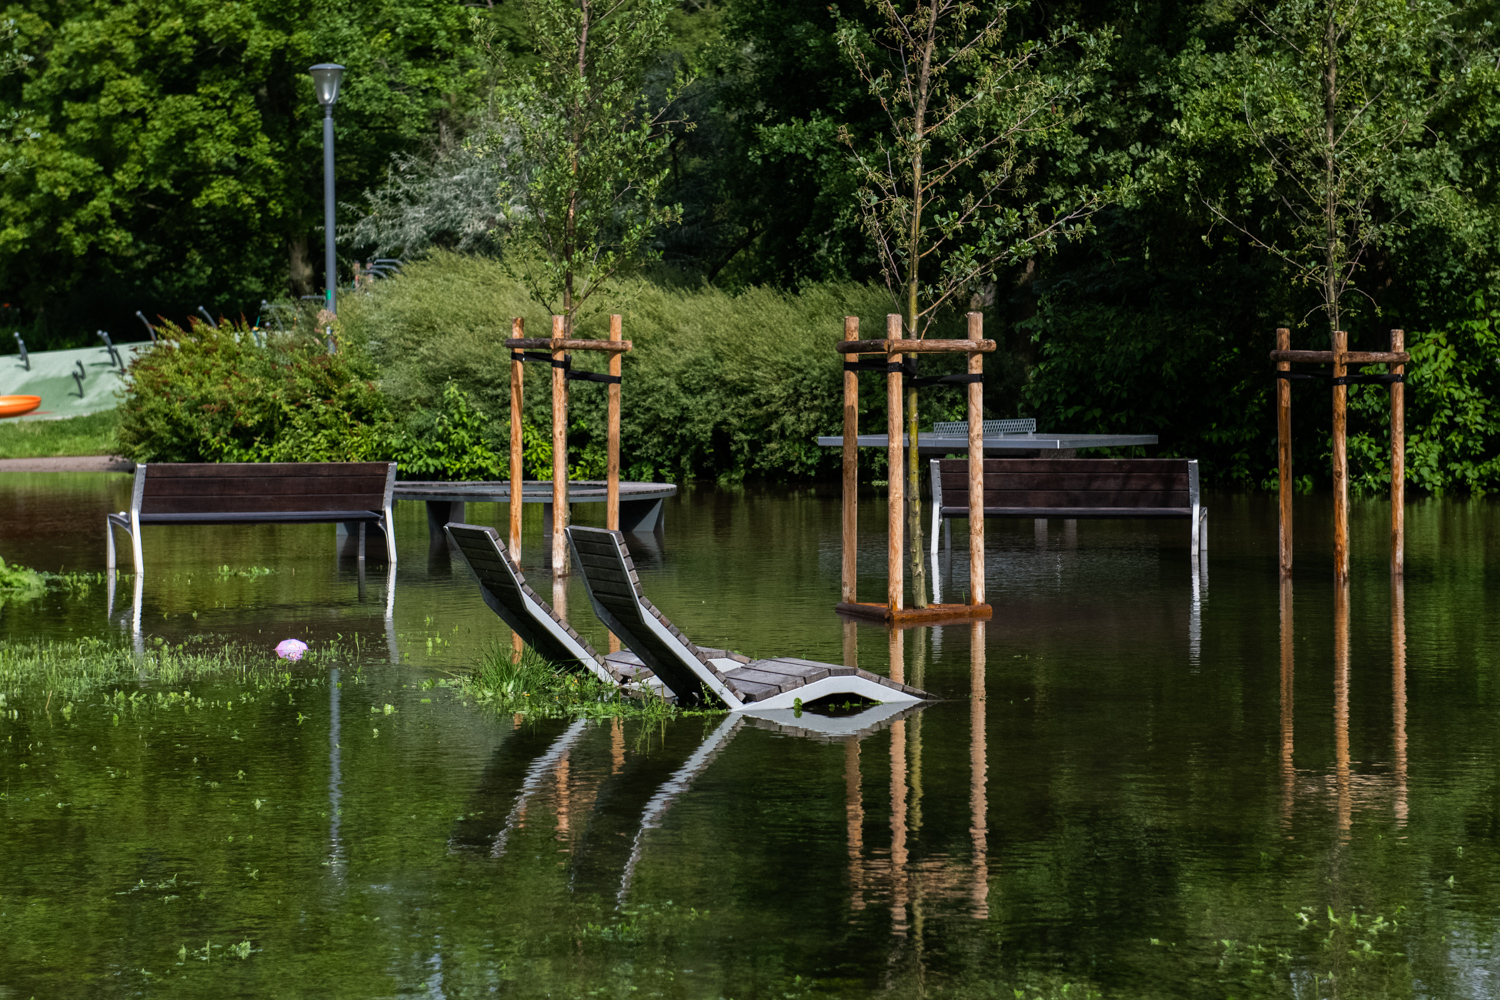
x=695, y=675
x=505, y=590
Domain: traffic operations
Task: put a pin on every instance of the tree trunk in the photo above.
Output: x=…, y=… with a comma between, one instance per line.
x=1330, y=172
x=299, y=268
x=914, y=505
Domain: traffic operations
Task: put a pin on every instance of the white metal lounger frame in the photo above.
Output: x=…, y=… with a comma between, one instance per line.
x=670, y=654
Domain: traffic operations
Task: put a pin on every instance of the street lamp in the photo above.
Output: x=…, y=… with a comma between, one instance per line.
x=326, y=78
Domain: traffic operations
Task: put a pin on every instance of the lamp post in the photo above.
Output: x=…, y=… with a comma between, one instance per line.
x=326, y=78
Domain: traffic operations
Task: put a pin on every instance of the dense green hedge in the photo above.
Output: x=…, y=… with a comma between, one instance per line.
x=730, y=387
x=718, y=386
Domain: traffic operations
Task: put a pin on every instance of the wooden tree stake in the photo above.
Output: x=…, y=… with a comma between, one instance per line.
x=1340, y=462
x=1284, y=450
x=612, y=444
x=1398, y=461
x=976, y=467
x=560, y=561
x=895, y=472
x=850, y=564
x=517, y=373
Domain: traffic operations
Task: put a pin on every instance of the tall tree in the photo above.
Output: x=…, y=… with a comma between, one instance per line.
x=945, y=193
x=173, y=145
x=1334, y=99
x=588, y=151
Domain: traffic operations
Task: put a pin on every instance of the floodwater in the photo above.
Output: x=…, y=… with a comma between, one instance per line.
x=1140, y=782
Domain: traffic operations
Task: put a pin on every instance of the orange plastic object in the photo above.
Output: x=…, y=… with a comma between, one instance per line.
x=14, y=406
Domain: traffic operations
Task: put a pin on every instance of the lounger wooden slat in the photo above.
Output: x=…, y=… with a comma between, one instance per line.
x=740, y=683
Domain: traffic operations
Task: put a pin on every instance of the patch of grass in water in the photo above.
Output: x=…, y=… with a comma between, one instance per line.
x=536, y=688
x=73, y=669
x=19, y=583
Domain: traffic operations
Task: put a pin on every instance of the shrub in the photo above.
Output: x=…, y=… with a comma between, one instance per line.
x=718, y=385
x=1453, y=420
x=215, y=395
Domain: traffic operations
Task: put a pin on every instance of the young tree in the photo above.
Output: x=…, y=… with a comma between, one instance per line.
x=1336, y=97
x=588, y=151
x=949, y=195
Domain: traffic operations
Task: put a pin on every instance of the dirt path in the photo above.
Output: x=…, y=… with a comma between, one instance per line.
x=68, y=463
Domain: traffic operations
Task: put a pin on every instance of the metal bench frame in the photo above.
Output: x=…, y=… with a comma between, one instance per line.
x=1195, y=513
x=131, y=521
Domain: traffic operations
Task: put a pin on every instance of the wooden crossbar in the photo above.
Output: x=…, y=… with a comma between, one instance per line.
x=557, y=345
x=1340, y=358
x=890, y=346
x=1344, y=357
x=567, y=344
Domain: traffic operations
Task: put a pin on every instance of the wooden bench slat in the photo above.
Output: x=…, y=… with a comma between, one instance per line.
x=268, y=504
x=1078, y=498
x=260, y=517
x=1091, y=466
x=1075, y=513
x=258, y=470
x=958, y=482
x=373, y=486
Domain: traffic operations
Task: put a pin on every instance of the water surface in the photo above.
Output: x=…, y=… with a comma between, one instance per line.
x=1140, y=782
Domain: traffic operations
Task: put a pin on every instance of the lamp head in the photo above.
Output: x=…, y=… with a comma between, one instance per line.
x=326, y=77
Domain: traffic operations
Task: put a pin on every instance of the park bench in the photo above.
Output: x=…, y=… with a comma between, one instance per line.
x=257, y=493
x=1075, y=488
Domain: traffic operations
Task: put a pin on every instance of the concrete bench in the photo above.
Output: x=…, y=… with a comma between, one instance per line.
x=257, y=493
x=1075, y=488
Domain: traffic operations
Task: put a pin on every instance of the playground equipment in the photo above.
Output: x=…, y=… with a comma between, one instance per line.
x=899, y=364
x=554, y=351
x=15, y=406
x=1342, y=359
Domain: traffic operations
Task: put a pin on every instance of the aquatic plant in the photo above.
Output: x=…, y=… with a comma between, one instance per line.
x=72, y=669
x=19, y=583
x=533, y=686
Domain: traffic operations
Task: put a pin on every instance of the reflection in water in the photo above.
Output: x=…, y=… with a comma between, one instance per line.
x=536, y=776
x=1347, y=788
x=1344, y=797
x=1398, y=692
x=1195, y=612
x=675, y=786
x=335, y=775
x=978, y=773
x=1288, y=704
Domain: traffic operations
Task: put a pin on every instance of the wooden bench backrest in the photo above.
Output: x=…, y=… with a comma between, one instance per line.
x=1071, y=482
x=228, y=488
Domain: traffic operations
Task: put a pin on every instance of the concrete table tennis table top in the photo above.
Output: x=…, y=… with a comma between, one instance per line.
x=641, y=504
x=998, y=445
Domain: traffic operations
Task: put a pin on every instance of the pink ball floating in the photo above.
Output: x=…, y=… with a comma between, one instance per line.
x=291, y=649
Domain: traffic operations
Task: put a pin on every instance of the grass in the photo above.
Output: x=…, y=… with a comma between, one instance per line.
x=77, y=668
x=538, y=689
x=93, y=434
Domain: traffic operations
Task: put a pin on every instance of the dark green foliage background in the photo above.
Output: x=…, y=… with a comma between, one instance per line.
x=169, y=157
